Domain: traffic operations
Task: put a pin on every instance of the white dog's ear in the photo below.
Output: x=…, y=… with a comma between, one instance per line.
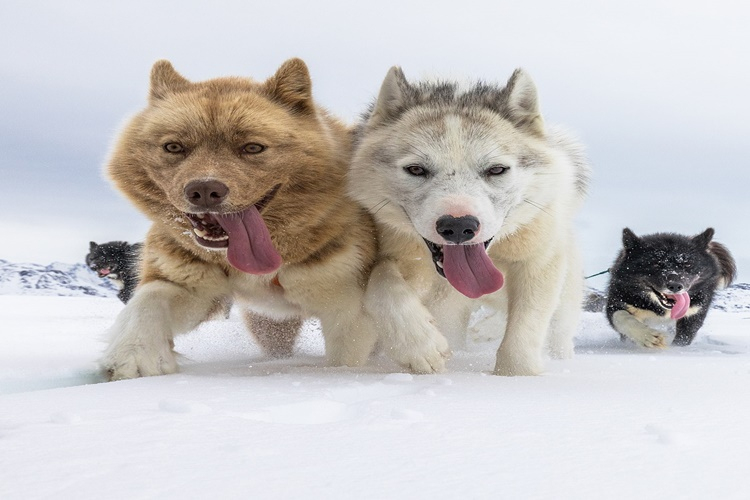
x=629, y=239
x=702, y=240
x=522, y=104
x=391, y=98
x=165, y=80
x=291, y=85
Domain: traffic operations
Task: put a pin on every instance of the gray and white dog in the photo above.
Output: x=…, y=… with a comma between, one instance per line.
x=472, y=194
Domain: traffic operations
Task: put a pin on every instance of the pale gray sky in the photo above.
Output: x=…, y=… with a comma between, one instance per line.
x=658, y=91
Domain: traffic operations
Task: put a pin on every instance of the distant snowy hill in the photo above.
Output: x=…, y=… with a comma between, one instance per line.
x=71, y=280
x=76, y=280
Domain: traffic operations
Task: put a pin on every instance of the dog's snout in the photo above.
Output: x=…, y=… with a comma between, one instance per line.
x=457, y=229
x=206, y=193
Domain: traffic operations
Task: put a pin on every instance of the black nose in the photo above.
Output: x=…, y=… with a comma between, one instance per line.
x=675, y=287
x=206, y=194
x=457, y=229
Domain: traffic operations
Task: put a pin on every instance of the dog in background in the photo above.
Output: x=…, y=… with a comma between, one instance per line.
x=665, y=279
x=117, y=261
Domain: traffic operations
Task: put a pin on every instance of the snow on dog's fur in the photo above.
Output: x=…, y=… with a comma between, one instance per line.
x=665, y=279
x=474, y=198
x=245, y=184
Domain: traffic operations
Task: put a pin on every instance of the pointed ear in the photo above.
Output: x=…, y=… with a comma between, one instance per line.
x=291, y=86
x=522, y=105
x=391, y=98
x=92, y=245
x=702, y=240
x=165, y=80
x=629, y=239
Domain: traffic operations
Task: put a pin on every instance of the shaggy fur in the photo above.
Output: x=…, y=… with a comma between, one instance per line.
x=665, y=279
x=245, y=184
x=440, y=166
x=117, y=261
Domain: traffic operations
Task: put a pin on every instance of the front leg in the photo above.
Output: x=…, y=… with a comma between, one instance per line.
x=688, y=327
x=533, y=295
x=406, y=327
x=141, y=339
x=629, y=326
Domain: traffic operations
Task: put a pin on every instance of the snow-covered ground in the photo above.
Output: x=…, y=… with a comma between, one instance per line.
x=615, y=422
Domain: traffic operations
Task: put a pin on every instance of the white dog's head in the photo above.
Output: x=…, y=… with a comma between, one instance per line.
x=457, y=167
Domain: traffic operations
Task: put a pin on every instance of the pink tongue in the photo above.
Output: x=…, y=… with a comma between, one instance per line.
x=469, y=269
x=681, y=305
x=250, y=247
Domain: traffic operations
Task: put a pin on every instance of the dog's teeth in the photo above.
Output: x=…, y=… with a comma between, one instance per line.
x=439, y=264
x=201, y=216
x=200, y=232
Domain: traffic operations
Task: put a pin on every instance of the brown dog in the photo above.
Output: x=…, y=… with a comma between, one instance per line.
x=245, y=184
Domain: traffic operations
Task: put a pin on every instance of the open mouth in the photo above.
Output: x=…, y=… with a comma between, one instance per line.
x=209, y=232
x=666, y=302
x=438, y=255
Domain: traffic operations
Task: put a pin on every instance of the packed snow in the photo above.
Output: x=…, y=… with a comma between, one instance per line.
x=616, y=421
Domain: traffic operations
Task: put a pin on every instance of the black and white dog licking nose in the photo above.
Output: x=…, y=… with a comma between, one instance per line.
x=457, y=229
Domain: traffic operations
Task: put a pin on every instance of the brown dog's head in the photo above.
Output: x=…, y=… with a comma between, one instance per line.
x=213, y=157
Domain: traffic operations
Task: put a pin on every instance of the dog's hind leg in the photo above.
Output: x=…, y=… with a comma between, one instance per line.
x=276, y=337
x=141, y=339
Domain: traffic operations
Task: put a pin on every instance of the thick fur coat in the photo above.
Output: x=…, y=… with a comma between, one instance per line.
x=474, y=197
x=118, y=261
x=665, y=279
x=245, y=184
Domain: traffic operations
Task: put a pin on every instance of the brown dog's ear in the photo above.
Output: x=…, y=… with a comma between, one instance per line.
x=165, y=80
x=291, y=85
x=702, y=240
x=391, y=98
x=629, y=239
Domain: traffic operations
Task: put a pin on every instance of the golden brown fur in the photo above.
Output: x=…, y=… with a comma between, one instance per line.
x=326, y=241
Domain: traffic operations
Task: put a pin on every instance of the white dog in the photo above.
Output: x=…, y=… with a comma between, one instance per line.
x=472, y=194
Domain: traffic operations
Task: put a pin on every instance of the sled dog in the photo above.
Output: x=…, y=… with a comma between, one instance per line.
x=117, y=261
x=245, y=183
x=665, y=279
x=474, y=197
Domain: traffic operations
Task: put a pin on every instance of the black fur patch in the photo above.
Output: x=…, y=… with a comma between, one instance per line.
x=119, y=261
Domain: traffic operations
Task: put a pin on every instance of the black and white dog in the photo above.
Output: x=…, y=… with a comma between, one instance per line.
x=665, y=278
x=118, y=261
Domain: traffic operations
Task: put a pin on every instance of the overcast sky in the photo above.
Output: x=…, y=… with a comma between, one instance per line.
x=658, y=91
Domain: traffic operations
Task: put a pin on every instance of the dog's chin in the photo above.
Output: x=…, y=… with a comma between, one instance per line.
x=436, y=250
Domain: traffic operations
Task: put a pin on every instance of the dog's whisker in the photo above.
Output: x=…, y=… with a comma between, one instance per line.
x=382, y=206
x=537, y=205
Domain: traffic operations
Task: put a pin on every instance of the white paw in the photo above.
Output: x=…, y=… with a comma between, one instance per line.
x=561, y=349
x=649, y=338
x=517, y=366
x=425, y=350
x=134, y=360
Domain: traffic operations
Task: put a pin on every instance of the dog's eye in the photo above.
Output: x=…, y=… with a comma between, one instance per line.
x=253, y=148
x=416, y=170
x=174, y=147
x=496, y=170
